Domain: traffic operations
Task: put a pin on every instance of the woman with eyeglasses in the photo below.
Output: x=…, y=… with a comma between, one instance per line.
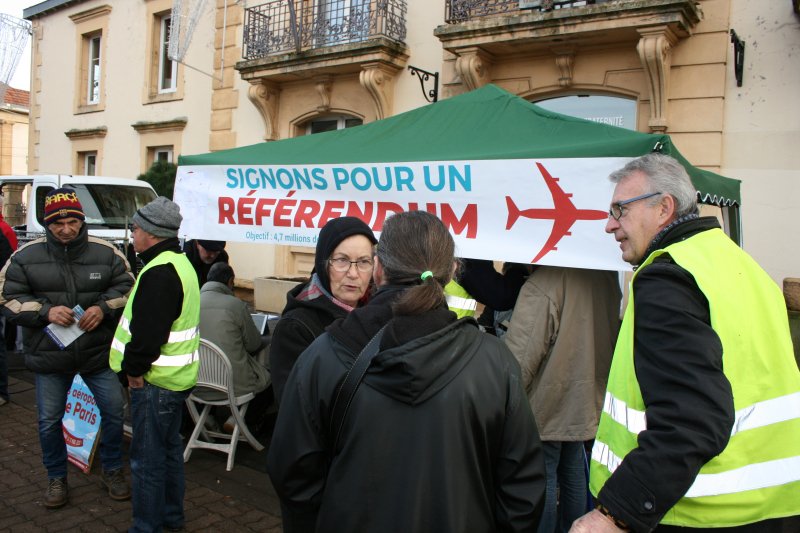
x=339, y=283
x=438, y=436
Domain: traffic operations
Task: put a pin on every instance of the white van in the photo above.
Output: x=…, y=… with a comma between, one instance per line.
x=108, y=203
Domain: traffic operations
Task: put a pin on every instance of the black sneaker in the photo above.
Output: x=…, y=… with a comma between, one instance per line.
x=117, y=487
x=57, y=493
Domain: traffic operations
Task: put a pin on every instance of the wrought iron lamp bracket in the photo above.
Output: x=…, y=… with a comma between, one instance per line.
x=738, y=57
x=423, y=75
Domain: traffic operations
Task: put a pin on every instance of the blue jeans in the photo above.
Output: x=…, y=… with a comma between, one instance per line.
x=51, y=397
x=3, y=361
x=566, y=486
x=156, y=458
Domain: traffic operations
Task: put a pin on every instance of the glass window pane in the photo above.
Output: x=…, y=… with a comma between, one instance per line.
x=90, y=164
x=611, y=110
x=166, y=67
x=93, y=96
x=331, y=123
x=319, y=126
x=111, y=206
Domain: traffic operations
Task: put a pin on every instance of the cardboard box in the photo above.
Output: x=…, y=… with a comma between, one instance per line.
x=269, y=293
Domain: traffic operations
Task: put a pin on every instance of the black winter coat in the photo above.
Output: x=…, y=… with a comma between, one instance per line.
x=45, y=273
x=302, y=321
x=678, y=361
x=439, y=437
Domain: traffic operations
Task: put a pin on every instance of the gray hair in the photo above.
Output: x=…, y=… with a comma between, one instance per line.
x=666, y=175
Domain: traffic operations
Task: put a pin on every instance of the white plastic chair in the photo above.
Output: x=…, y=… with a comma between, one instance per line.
x=215, y=387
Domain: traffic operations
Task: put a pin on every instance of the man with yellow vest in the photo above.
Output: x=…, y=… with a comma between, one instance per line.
x=700, y=428
x=155, y=347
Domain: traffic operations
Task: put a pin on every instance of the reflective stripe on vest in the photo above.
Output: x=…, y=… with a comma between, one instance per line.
x=459, y=300
x=757, y=476
x=754, y=416
x=178, y=361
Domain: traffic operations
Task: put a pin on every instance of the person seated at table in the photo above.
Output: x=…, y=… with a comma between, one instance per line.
x=340, y=279
x=225, y=320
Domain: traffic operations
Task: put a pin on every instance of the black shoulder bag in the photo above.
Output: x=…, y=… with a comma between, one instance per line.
x=347, y=390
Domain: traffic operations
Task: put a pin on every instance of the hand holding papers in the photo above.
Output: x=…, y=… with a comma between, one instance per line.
x=63, y=336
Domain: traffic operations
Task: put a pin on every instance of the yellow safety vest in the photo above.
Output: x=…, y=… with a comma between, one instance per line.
x=757, y=476
x=177, y=365
x=459, y=300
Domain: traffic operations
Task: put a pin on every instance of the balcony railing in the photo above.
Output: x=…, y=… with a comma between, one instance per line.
x=284, y=26
x=464, y=10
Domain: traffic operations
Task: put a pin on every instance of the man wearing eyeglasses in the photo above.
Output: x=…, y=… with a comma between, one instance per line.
x=700, y=426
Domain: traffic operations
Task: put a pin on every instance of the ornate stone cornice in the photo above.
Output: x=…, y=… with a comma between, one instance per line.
x=266, y=97
x=83, y=16
x=88, y=133
x=518, y=33
x=331, y=60
x=176, y=124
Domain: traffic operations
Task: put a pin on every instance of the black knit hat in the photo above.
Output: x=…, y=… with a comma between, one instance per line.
x=333, y=233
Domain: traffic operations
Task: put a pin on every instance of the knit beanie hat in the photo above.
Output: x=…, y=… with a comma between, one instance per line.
x=331, y=234
x=161, y=217
x=62, y=203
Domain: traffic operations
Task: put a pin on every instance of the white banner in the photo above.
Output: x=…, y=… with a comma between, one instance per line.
x=547, y=211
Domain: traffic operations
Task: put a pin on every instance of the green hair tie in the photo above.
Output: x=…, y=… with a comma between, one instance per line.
x=425, y=275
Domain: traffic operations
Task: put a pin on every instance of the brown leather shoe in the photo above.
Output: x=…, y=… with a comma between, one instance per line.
x=57, y=493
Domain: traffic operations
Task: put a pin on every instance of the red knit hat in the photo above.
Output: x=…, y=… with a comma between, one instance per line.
x=62, y=203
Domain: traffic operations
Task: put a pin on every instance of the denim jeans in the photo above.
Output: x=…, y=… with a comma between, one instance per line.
x=51, y=397
x=156, y=455
x=3, y=361
x=566, y=486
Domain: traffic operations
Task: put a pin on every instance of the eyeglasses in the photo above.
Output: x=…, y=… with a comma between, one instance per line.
x=617, y=210
x=132, y=227
x=342, y=264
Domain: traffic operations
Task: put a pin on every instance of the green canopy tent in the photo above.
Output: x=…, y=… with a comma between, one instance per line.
x=488, y=123
x=485, y=124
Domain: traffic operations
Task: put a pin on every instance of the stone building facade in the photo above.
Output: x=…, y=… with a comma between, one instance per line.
x=268, y=70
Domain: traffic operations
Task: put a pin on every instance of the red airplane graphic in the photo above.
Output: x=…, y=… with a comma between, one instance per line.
x=563, y=213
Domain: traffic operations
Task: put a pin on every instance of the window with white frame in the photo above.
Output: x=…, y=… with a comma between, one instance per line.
x=88, y=161
x=162, y=153
x=167, y=68
x=93, y=69
x=331, y=123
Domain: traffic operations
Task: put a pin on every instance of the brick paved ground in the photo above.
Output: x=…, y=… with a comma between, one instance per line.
x=216, y=500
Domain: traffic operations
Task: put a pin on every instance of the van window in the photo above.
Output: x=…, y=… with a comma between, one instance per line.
x=105, y=206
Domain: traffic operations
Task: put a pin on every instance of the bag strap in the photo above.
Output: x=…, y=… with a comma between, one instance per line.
x=347, y=390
